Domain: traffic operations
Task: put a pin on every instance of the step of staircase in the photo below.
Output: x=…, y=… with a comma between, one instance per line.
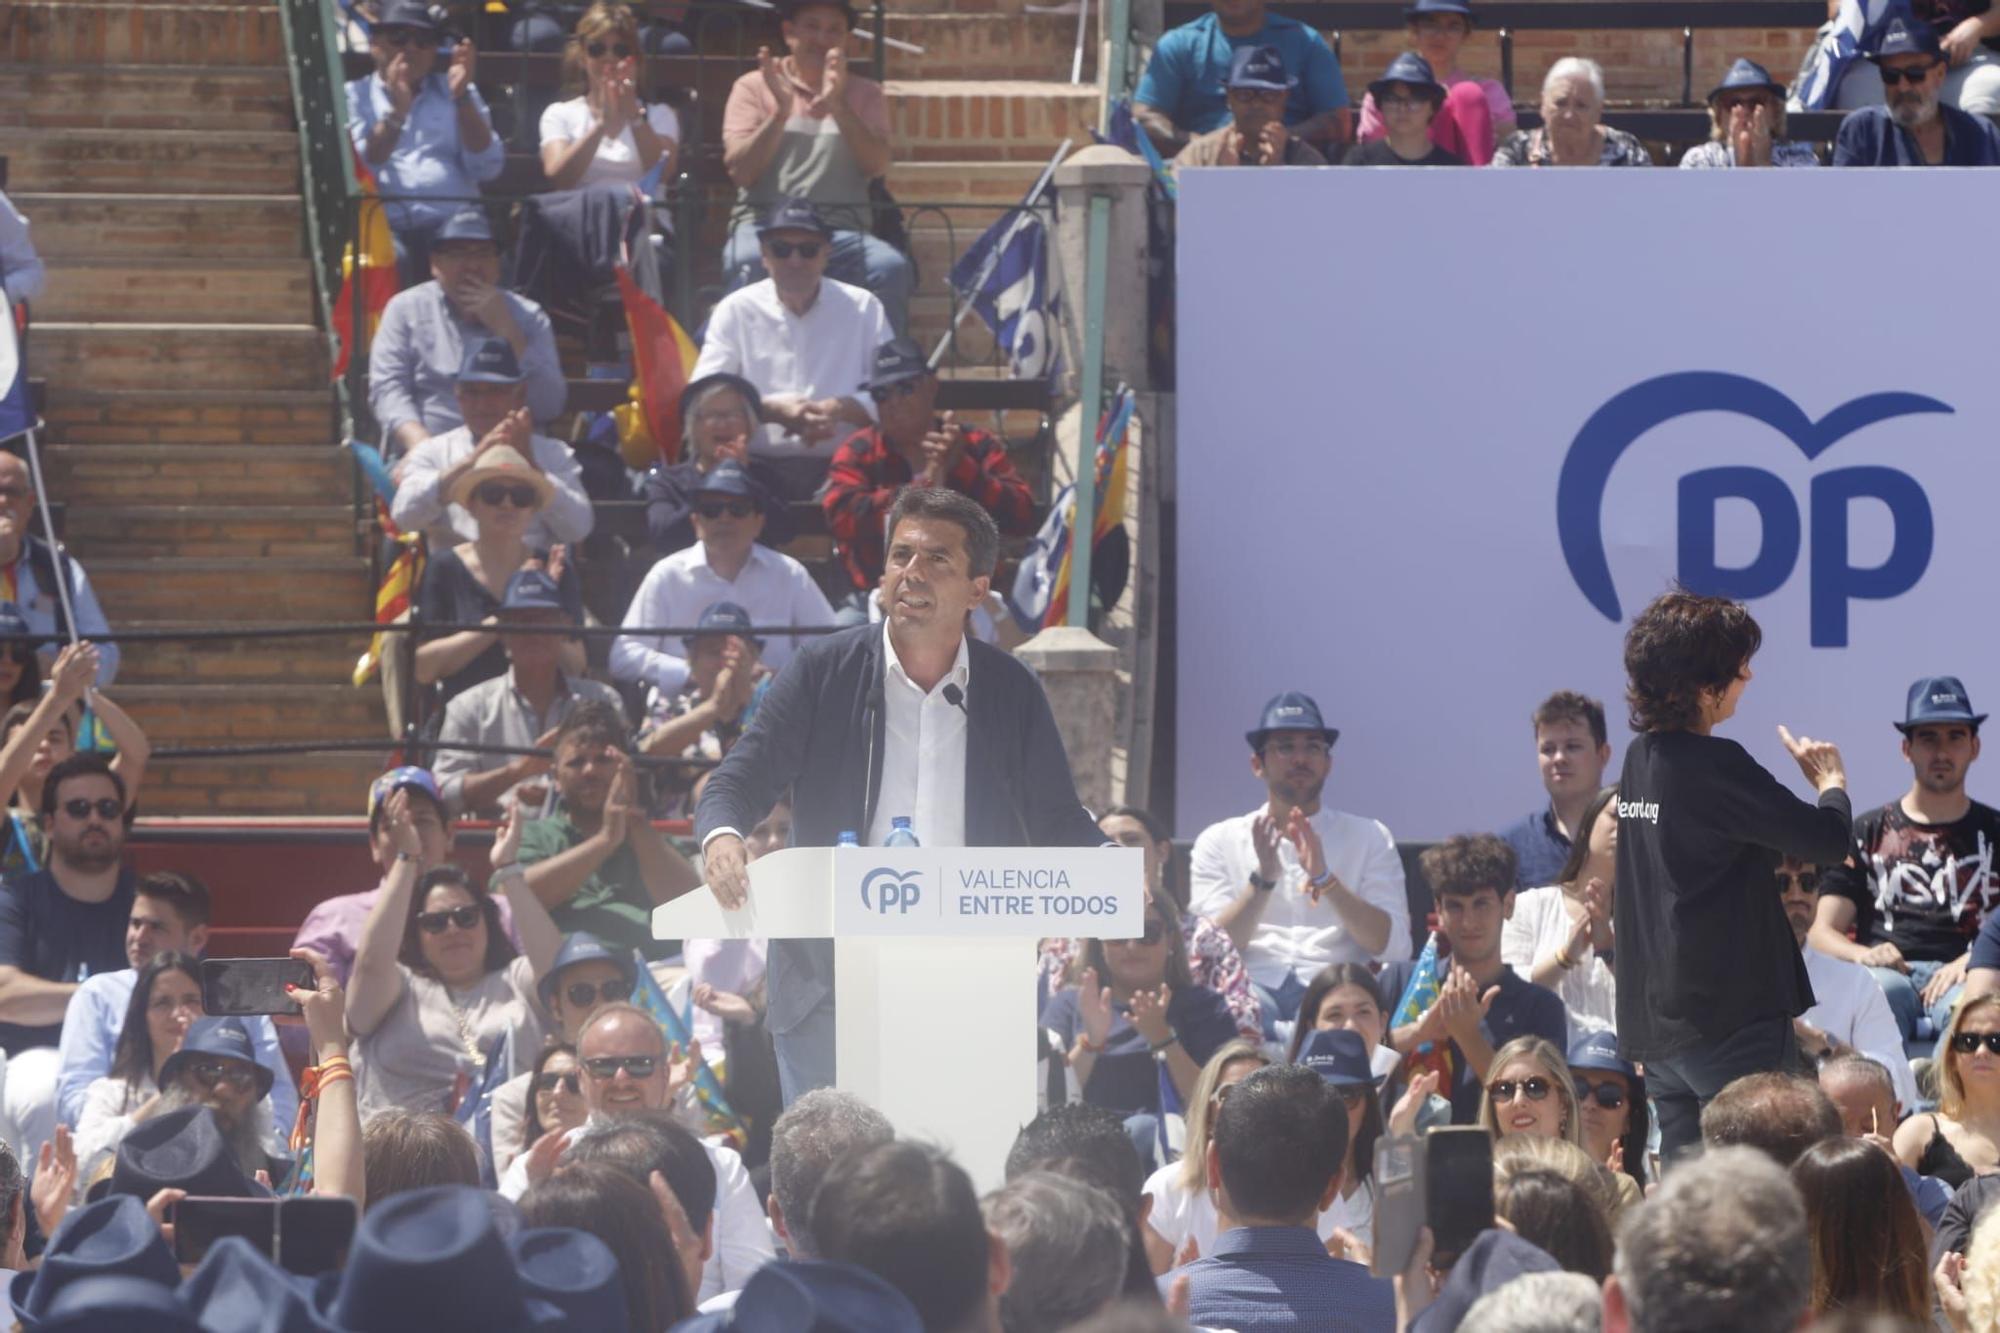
x=86, y=475
x=73, y=32
x=311, y=784
x=172, y=418
x=194, y=291
x=215, y=356
x=164, y=226
x=210, y=530
x=230, y=99
x=986, y=120
x=271, y=589
x=314, y=659
x=244, y=714
x=155, y=161
x=989, y=46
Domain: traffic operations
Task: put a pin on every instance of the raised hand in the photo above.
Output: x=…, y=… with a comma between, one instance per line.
x=1305, y=842
x=1149, y=1014
x=507, y=838
x=1264, y=836
x=402, y=826
x=775, y=80
x=1271, y=144
x=833, y=87
x=1819, y=760
x=1403, y=1117
x=542, y=1158
x=619, y=803
x=1093, y=1006
x=54, y=1189
x=1230, y=154
x=74, y=672
x=725, y=1005
x=399, y=83
x=464, y=62
x=324, y=1006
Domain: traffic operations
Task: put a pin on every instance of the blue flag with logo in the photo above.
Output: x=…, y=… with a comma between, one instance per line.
x=1854, y=29
x=15, y=416
x=1006, y=277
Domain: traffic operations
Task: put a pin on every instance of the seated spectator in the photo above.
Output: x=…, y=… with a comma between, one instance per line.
x=804, y=127
x=1297, y=885
x=1212, y=957
x=1849, y=1012
x=212, y=1064
x=169, y=916
x=467, y=584
x=551, y=1104
x=1341, y=1058
x=1255, y=133
x=1747, y=110
x=521, y=709
x=1916, y=128
x=1089, y=1143
x=40, y=735
x=718, y=415
x=440, y=1003
x=1561, y=936
x=805, y=340
x=404, y=1151
x=420, y=345
x=1477, y=113
x=609, y=136
x=709, y=713
x=1412, y=103
x=1723, y=1244
x=20, y=666
x=1184, y=89
x=424, y=133
x=1961, y=1138
x=596, y=860
x=36, y=597
x=727, y=565
x=493, y=399
x=624, y=1215
x=1065, y=1242
x=821, y=1129
x=1572, y=751
x=1135, y=1010
x=1972, y=80
x=1611, y=1106
x=1529, y=1091
x=1347, y=998
x=165, y=1002
x=21, y=270
x=1571, y=134
x=1274, y=1165
x=1557, y=1215
x=1780, y=1115
x=1860, y=1089
x=1868, y=1243
x=913, y=446
x=541, y=26
x=1482, y=1003
x=1181, y=1217
x=584, y=977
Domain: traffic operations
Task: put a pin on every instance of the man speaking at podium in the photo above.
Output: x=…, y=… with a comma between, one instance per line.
x=910, y=717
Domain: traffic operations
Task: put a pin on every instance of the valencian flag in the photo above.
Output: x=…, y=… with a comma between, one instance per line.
x=1040, y=596
x=368, y=265
x=1426, y=978
x=399, y=584
x=662, y=358
x=719, y=1116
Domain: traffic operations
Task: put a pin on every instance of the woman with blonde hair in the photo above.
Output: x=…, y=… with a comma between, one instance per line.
x=1608, y=1189
x=610, y=135
x=1529, y=1091
x=1961, y=1138
x=1182, y=1209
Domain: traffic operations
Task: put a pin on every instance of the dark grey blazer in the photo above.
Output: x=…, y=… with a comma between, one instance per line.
x=819, y=734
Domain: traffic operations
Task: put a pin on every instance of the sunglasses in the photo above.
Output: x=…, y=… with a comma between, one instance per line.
x=209, y=1073
x=583, y=994
x=597, y=50
x=106, y=807
x=1807, y=880
x=714, y=509
x=786, y=249
x=402, y=37
x=569, y=1083
x=465, y=918
x=1536, y=1089
x=1607, y=1095
x=900, y=389
x=1402, y=103
x=1155, y=932
x=1912, y=74
x=1965, y=1043
x=15, y=651
x=494, y=492
x=604, y=1068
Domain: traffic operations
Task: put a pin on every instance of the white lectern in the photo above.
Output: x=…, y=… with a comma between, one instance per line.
x=934, y=968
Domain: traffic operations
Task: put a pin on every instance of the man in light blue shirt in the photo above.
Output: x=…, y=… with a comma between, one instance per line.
x=1183, y=92
x=169, y=914
x=423, y=132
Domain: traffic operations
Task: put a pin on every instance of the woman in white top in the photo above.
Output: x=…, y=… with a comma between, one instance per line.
x=608, y=136
x=1561, y=936
x=437, y=992
x=1183, y=1209
x=166, y=1000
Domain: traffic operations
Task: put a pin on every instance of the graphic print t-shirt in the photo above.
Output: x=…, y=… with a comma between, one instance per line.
x=1924, y=888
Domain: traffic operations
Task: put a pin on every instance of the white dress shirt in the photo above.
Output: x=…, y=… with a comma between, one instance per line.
x=923, y=753
x=774, y=588
x=1296, y=935
x=1848, y=1005
x=418, y=504
x=828, y=352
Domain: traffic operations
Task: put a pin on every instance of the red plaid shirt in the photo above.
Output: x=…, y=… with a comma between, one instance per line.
x=863, y=480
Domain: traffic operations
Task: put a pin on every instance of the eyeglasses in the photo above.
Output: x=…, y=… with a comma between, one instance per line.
x=786, y=249
x=618, y=49
x=569, y=1083
x=714, y=509
x=1891, y=76
x=1807, y=880
x=1394, y=103
x=492, y=493
x=465, y=918
x=1608, y=1095
x=209, y=1073
x=583, y=995
x=1965, y=1043
x=1536, y=1089
x=402, y=37
x=1315, y=749
x=14, y=650
x=106, y=807
x=900, y=389
x=604, y=1068
x=1728, y=104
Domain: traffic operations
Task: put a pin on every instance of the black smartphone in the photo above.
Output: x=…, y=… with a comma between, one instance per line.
x=199, y=1222
x=1458, y=1189
x=314, y=1232
x=251, y=985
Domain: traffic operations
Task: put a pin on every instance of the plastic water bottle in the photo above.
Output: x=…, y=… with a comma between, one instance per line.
x=848, y=839
x=900, y=833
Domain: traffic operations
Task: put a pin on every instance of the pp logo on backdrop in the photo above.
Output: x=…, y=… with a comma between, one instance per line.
x=884, y=890
x=1835, y=580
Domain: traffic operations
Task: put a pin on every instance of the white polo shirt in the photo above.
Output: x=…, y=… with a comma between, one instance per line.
x=828, y=352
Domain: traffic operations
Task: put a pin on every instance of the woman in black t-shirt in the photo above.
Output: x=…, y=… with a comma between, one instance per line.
x=1409, y=98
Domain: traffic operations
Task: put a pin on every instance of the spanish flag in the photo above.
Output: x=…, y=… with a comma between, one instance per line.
x=369, y=263
x=392, y=599
x=663, y=357
x=1111, y=486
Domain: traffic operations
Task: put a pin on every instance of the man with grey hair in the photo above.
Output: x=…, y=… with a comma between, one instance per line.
x=1722, y=1245
x=1067, y=1241
x=1538, y=1303
x=819, y=1129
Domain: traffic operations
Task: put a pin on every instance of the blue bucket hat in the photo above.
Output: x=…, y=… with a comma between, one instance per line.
x=1259, y=67
x=583, y=947
x=490, y=361
x=430, y=1259
x=396, y=779
x=1599, y=1051
x=1290, y=711
x=897, y=360
x=237, y=1290
x=812, y=1296
x=467, y=224
x=225, y=1037
x=1907, y=36
x=1746, y=73
x=531, y=589
x=1936, y=699
x=110, y=1238
x=724, y=618
x=729, y=478
x=575, y=1273
x=117, y=1305
x=1412, y=69
x=1421, y=7
x=793, y=214
x=1340, y=1057
x=182, y=1150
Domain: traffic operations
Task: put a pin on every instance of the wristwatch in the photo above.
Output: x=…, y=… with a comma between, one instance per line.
x=1262, y=885
x=1160, y=1051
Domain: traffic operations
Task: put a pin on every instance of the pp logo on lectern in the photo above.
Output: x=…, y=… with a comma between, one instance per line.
x=884, y=889
x=1835, y=580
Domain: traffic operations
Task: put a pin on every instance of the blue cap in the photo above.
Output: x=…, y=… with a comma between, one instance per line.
x=1936, y=699
x=490, y=361
x=1419, y=7
x=110, y=1238
x=583, y=947
x=1412, y=69
x=1290, y=711
x=1746, y=73
x=812, y=1296
x=409, y=14
x=224, y=1037
x=467, y=224
x=897, y=360
x=724, y=618
x=1340, y=1057
x=531, y=589
x=575, y=1273
x=1259, y=67
x=1907, y=36
x=793, y=214
x=728, y=478
x=409, y=775
x=1599, y=1051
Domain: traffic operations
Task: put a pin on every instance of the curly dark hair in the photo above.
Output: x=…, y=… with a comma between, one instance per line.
x=1464, y=864
x=1679, y=648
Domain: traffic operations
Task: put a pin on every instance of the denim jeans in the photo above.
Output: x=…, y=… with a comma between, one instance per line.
x=805, y=1055
x=856, y=258
x=1682, y=1084
x=1905, y=994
